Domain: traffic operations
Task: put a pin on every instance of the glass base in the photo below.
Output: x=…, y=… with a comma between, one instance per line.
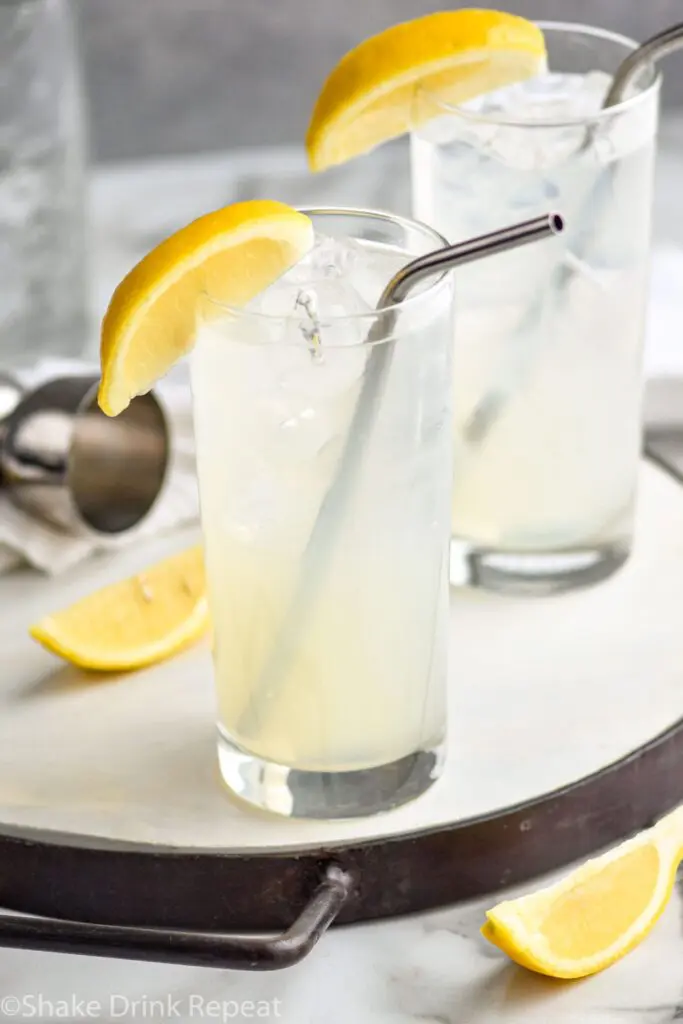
x=534, y=574
x=295, y=793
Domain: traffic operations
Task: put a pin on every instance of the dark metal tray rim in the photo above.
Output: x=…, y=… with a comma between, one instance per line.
x=108, y=897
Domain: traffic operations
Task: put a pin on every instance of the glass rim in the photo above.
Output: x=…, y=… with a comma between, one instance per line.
x=568, y=27
x=369, y=316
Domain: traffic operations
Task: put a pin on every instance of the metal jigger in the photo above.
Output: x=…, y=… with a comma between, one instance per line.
x=64, y=461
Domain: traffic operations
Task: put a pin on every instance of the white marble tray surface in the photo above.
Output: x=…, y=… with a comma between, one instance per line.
x=427, y=969
x=542, y=693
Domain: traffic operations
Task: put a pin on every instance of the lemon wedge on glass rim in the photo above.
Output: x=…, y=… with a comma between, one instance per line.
x=232, y=254
x=453, y=56
x=596, y=914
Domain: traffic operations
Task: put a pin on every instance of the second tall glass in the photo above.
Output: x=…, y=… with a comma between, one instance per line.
x=547, y=363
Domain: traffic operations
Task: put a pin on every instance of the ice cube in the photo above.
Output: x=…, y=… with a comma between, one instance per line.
x=547, y=148
x=313, y=376
x=313, y=370
x=454, y=130
x=322, y=279
x=330, y=291
x=551, y=98
x=330, y=258
x=558, y=106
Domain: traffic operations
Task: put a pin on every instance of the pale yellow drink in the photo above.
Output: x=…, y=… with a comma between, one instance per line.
x=354, y=682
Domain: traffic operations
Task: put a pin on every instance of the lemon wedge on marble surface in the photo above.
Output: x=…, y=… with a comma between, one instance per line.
x=598, y=913
x=231, y=254
x=452, y=56
x=137, y=622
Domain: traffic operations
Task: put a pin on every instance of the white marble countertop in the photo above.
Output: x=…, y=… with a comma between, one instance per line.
x=430, y=968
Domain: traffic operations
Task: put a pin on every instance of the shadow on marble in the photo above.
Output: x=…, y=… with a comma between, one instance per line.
x=63, y=682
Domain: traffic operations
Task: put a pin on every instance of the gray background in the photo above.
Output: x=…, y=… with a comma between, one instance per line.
x=183, y=76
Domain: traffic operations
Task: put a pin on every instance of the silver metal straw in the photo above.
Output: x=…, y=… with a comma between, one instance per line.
x=649, y=52
x=491, y=405
x=457, y=255
x=321, y=543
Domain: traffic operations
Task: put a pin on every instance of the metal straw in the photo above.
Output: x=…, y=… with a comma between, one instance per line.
x=321, y=543
x=490, y=407
x=649, y=52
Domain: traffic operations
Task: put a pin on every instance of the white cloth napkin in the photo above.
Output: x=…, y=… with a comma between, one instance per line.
x=25, y=539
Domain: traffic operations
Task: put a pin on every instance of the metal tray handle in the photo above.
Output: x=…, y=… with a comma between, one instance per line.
x=192, y=949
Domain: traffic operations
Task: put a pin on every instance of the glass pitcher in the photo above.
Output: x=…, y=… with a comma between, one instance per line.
x=43, y=296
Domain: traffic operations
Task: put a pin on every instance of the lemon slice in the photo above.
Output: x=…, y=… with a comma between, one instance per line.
x=455, y=55
x=232, y=254
x=137, y=622
x=598, y=913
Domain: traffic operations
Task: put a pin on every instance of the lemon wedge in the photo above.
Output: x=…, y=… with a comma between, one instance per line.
x=231, y=254
x=452, y=55
x=598, y=913
x=137, y=622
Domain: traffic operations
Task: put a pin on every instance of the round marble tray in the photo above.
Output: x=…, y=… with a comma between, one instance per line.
x=564, y=737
